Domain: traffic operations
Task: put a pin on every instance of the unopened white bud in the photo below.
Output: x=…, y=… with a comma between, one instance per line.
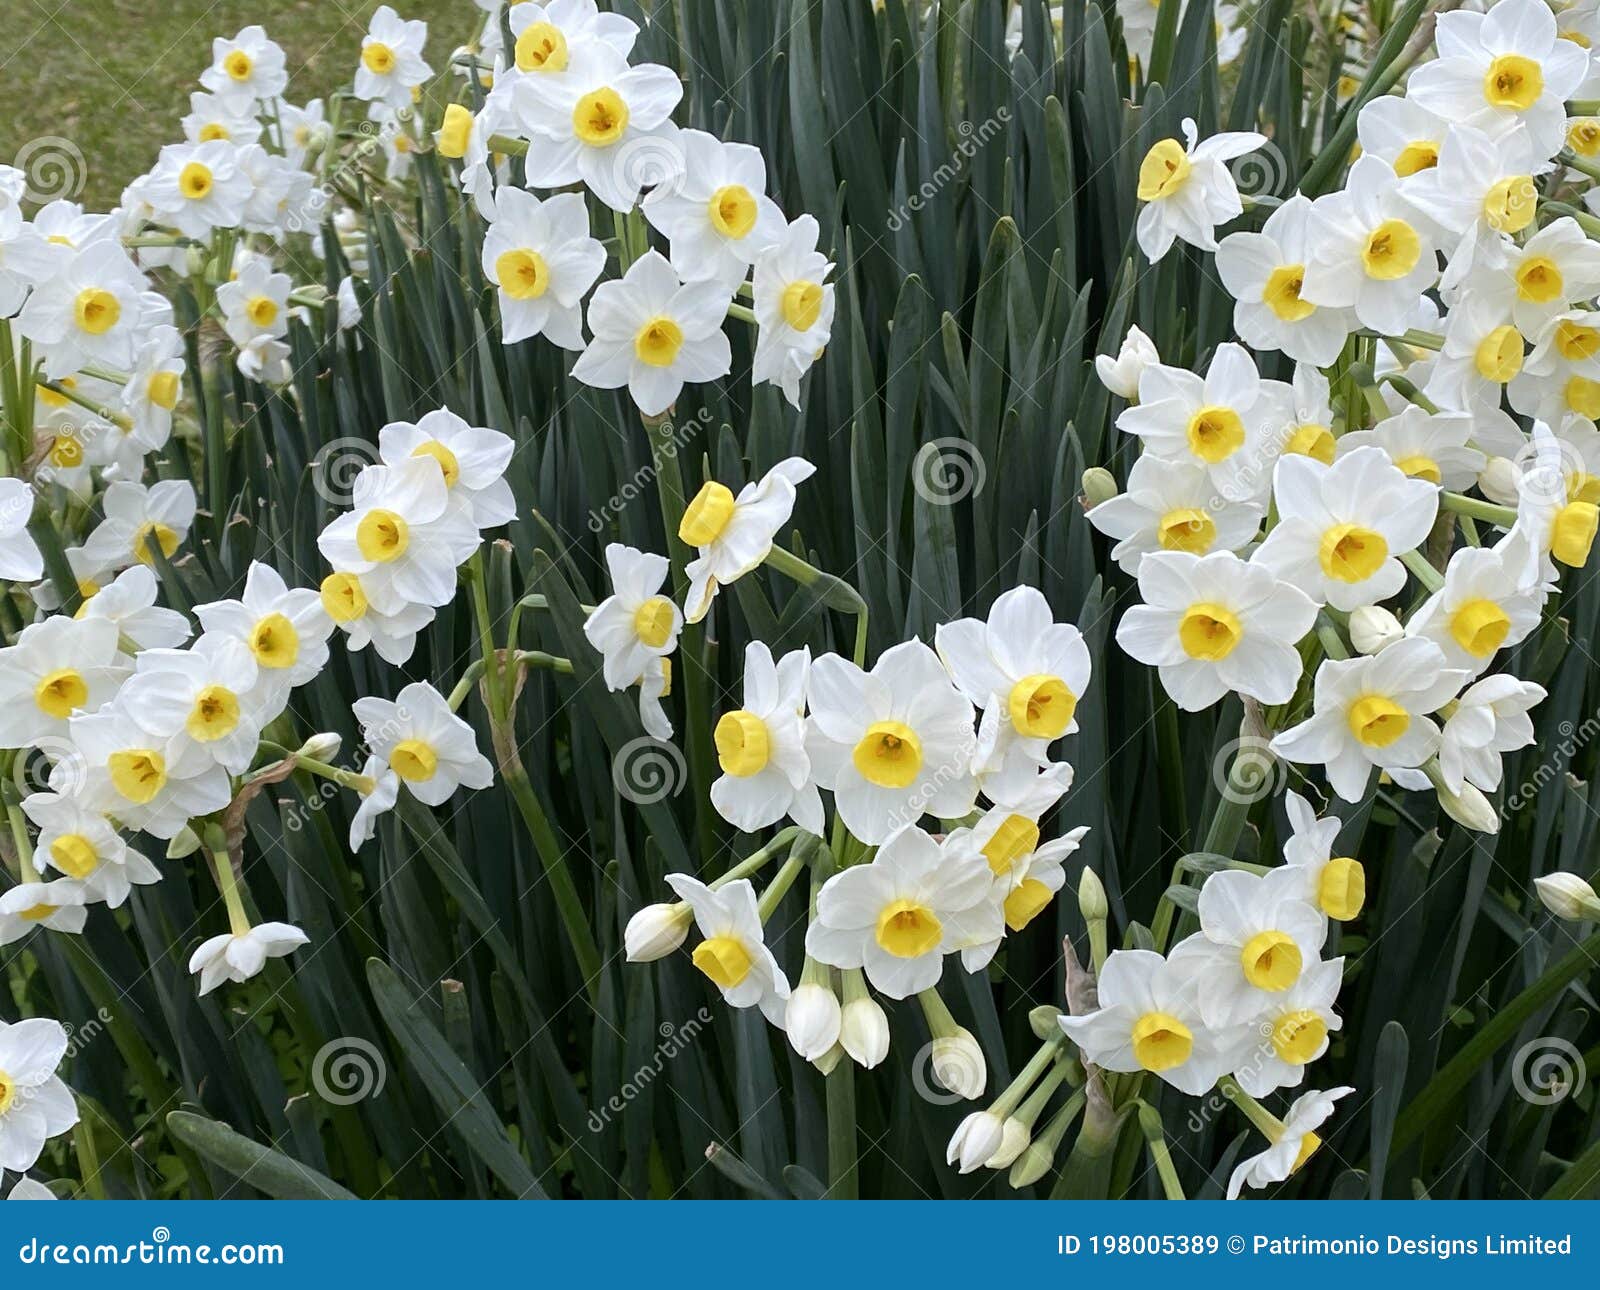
x=1033, y=1164
x=978, y=1137
x=184, y=843
x=1470, y=808
x=1013, y=1142
x=1568, y=896
x=958, y=1064
x=1121, y=374
x=323, y=747
x=1498, y=481
x=864, y=1032
x=1373, y=627
x=1099, y=485
x=655, y=931
x=1092, y=903
x=812, y=1020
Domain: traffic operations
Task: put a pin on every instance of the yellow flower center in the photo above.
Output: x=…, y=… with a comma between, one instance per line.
x=1418, y=466
x=1030, y=898
x=1576, y=37
x=1041, y=707
x=1509, y=204
x=1312, y=441
x=1576, y=342
x=1296, y=1036
x=37, y=914
x=50, y=398
x=1161, y=1041
x=908, y=930
x=802, y=304
x=1215, y=434
x=377, y=58
x=1164, y=170
x=8, y=1088
x=706, y=515
x=652, y=622
x=138, y=774
x=1186, y=529
x=1377, y=721
x=1392, y=250
x=1209, y=632
x=523, y=274
x=1583, y=136
x=1513, y=82
x=724, y=959
x=1271, y=961
x=448, y=465
x=1499, y=354
x=195, y=181
x=413, y=760
x=1282, y=293
x=600, y=117
x=1480, y=627
x=163, y=390
x=382, y=536
x=60, y=692
x=888, y=755
x=1583, y=396
x=743, y=744
x=212, y=131
x=1539, y=280
x=455, y=131
x=74, y=855
x=1352, y=553
x=96, y=310
x=1583, y=487
x=66, y=451
x=1308, y=1148
x=150, y=535
x=541, y=48
x=342, y=597
x=215, y=714
x=1572, y=533
x=238, y=65
x=1017, y=836
x=274, y=642
x=1342, y=889
x=658, y=342
x=262, y=311
x=733, y=210
x=1419, y=154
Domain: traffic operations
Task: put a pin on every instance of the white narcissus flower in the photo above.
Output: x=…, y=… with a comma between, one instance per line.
x=734, y=956
x=20, y=558
x=197, y=187
x=1502, y=69
x=1424, y=445
x=385, y=792
x=369, y=612
x=1342, y=528
x=1400, y=131
x=793, y=302
x=1560, y=377
x=1149, y=1020
x=129, y=602
x=1481, y=185
x=247, y=68
x=1537, y=279
x=1335, y=885
x=424, y=743
x=27, y=258
x=1490, y=718
x=1188, y=191
x=1293, y=1146
x=1373, y=711
x=91, y=310
x=1368, y=252
x=601, y=123
x=58, y=906
x=715, y=212
x=1025, y=670
x=82, y=845
x=1214, y=624
x=1554, y=523
x=540, y=255
x=1120, y=373
x=1482, y=354
x=285, y=628
x=544, y=36
x=138, y=521
x=891, y=744
x=733, y=534
x=203, y=697
x=1484, y=606
x=58, y=666
x=895, y=916
x=255, y=303
x=472, y=459
x=1257, y=935
x=238, y=956
x=1172, y=506
x=653, y=333
x=155, y=384
x=301, y=128
x=391, y=59
x=1227, y=423
x=761, y=748
x=635, y=625
x=35, y=1105
x=403, y=533
x=137, y=776
x=1264, y=272
x=1292, y=1031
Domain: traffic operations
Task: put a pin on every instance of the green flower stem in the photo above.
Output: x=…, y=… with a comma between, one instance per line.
x=941, y=1022
x=88, y=1157
x=836, y=592
x=12, y=797
x=843, y=1183
x=523, y=657
x=1087, y=1172
x=1583, y=218
x=227, y=880
x=1583, y=165
x=742, y=312
x=1417, y=339
x=756, y=859
x=1033, y=1105
x=1501, y=516
x=1328, y=633
x=1427, y=575
x=1156, y=1139
x=362, y=784
x=778, y=888
x=1049, y=1142
x=47, y=537
x=1407, y=390
x=488, y=653
x=1270, y=1125
x=1008, y=1101
x=504, y=143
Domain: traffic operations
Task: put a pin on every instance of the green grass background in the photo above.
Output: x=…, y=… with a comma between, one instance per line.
x=114, y=76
